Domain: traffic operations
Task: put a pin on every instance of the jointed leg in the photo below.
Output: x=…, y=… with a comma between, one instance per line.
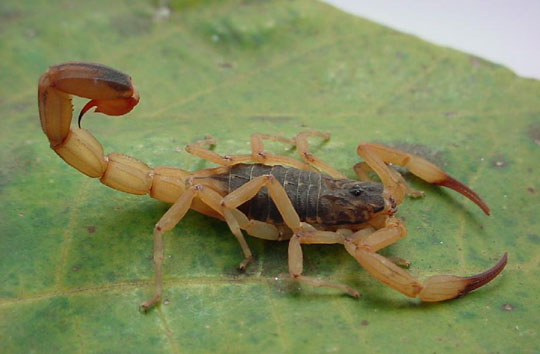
x=169, y=220
x=257, y=152
x=379, y=239
x=362, y=168
x=235, y=229
x=238, y=220
x=296, y=261
x=376, y=155
x=368, y=239
x=302, y=231
x=300, y=141
x=376, y=240
x=259, y=155
x=175, y=213
x=198, y=149
x=303, y=151
x=276, y=192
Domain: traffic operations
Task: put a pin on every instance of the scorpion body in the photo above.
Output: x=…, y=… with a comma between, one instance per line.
x=313, y=196
x=267, y=196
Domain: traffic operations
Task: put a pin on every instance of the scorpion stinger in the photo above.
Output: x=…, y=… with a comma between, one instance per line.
x=111, y=107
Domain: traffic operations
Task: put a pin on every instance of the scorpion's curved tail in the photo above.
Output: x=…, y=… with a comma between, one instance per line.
x=112, y=93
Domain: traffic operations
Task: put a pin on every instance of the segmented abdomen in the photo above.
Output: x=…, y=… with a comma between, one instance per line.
x=302, y=187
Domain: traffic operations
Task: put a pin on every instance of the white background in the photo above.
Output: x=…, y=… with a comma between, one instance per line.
x=505, y=32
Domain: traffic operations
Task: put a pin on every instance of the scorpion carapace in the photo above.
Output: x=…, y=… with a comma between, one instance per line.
x=268, y=196
x=318, y=199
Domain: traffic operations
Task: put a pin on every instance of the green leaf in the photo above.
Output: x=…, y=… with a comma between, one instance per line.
x=75, y=256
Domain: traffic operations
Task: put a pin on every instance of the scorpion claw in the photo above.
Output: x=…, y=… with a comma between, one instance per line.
x=478, y=280
x=446, y=287
x=459, y=187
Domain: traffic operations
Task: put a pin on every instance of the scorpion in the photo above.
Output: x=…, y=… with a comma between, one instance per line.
x=269, y=196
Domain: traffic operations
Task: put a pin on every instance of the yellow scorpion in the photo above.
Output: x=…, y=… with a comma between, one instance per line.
x=268, y=196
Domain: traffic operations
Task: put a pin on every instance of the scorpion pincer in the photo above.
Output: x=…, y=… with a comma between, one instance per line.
x=268, y=196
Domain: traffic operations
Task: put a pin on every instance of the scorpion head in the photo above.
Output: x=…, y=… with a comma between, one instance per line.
x=351, y=202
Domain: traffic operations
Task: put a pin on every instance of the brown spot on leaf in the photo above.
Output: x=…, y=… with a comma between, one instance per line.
x=274, y=119
x=534, y=238
x=19, y=107
x=364, y=323
x=534, y=133
x=499, y=161
x=531, y=190
x=91, y=229
x=225, y=65
x=131, y=25
x=421, y=150
x=75, y=268
x=477, y=62
x=7, y=16
x=449, y=114
x=162, y=13
x=30, y=33
x=507, y=307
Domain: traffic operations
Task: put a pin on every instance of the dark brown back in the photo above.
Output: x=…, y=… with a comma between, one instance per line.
x=302, y=187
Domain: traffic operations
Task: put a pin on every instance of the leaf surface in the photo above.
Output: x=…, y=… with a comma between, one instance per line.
x=75, y=256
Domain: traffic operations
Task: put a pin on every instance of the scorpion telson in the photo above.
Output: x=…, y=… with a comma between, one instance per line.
x=268, y=196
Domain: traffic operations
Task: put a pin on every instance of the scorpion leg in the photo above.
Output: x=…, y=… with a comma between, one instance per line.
x=376, y=155
x=384, y=237
x=175, y=213
x=296, y=266
x=277, y=193
x=376, y=240
x=198, y=149
x=303, y=151
x=237, y=221
x=362, y=168
x=259, y=155
x=168, y=221
x=254, y=228
x=300, y=141
x=283, y=203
